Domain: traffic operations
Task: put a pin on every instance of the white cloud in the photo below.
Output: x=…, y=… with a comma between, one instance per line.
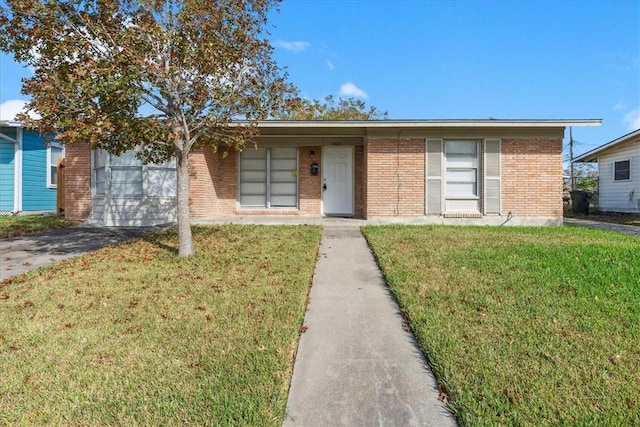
x=330, y=65
x=622, y=61
x=296, y=46
x=9, y=109
x=620, y=106
x=632, y=119
x=349, y=89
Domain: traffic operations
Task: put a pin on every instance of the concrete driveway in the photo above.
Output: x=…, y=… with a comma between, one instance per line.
x=631, y=230
x=21, y=254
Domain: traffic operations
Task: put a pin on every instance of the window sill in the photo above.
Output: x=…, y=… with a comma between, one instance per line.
x=463, y=215
x=462, y=198
x=267, y=211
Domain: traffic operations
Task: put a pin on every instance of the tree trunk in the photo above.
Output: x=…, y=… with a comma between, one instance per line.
x=185, y=239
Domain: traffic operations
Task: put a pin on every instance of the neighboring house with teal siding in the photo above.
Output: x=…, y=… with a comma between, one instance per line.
x=28, y=170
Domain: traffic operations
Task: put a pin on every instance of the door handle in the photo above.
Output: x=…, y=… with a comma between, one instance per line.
x=324, y=187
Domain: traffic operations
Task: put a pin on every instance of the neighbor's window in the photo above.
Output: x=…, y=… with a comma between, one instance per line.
x=268, y=178
x=622, y=170
x=54, y=154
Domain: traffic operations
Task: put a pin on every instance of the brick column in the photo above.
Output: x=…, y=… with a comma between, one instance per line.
x=77, y=181
x=310, y=186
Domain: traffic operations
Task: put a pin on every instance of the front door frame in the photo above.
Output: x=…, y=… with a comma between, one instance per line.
x=325, y=150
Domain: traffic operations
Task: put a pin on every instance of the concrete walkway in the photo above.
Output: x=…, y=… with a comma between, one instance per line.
x=356, y=364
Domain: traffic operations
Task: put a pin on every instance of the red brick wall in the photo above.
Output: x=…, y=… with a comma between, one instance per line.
x=226, y=182
x=203, y=167
x=77, y=181
x=395, y=177
x=213, y=187
x=531, y=180
x=532, y=177
x=213, y=184
x=309, y=186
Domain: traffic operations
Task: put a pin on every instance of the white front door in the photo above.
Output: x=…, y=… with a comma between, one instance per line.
x=337, y=180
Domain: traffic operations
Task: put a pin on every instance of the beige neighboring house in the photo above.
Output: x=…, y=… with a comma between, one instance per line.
x=416, y=171
x=618, y=173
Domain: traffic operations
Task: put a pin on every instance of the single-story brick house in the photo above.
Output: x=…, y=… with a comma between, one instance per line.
x=618, y=173
x=431, y=171
x=28, y=170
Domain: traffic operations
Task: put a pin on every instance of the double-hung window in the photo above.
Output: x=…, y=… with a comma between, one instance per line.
x=54, y=154
x=462, y=162
x=622, y=170
x=269, y=178
x=126, y=175
x=463, y=177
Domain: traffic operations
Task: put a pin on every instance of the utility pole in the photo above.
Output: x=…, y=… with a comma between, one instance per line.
x=573, y=175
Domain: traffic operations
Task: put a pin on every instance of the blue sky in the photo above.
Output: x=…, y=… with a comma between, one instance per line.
x=471, y=59
x=460, y=59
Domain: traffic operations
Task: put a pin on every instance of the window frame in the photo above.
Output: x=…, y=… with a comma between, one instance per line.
x=628, y=170
x=270, y=171
x=475, y=169
x=135, y=167
x=101, y=160
x=50, y=165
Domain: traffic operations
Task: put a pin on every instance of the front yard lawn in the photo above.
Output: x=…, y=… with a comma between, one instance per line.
x=133, y=335
x=19, y=225
x=523, y=326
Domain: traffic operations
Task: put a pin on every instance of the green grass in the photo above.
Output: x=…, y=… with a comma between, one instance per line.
x=523, y=326
x=19, y=225
x=133, y=335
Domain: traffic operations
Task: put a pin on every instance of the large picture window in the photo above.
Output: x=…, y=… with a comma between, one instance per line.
x=269, y=178
x=622, y=170
x=126, y=176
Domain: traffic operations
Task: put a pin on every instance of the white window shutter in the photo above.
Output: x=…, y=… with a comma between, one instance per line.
x=433, y=185
x=492, y=170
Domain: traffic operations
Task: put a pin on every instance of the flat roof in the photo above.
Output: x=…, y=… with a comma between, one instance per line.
x=430, y=123
x=409, y=124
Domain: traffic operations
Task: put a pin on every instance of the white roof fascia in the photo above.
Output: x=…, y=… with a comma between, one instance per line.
x=591, y=156
x=407, y=124
x=11, y=123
